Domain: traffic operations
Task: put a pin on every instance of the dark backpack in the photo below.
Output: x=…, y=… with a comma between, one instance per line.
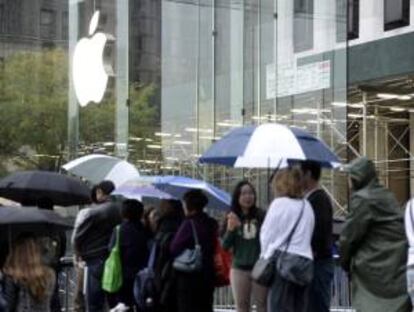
x=144, y=285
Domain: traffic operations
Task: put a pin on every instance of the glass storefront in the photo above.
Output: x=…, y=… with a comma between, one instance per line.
x=179, y=74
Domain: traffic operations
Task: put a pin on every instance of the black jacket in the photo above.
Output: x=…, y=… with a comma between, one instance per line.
x=93, y=234
x=134, y=247
x=164, y=274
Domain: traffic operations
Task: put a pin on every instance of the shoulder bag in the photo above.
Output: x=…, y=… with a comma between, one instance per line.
x=293, y=267
x=190, y=260
x=112, y=274
x=144, y=284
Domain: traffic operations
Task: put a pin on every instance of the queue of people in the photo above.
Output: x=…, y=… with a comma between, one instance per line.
x=293, y=237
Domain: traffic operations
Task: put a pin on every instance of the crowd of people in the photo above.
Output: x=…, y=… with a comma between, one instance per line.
x=293, y=236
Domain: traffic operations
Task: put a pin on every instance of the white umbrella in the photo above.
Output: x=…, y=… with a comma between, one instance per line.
x=97, y=167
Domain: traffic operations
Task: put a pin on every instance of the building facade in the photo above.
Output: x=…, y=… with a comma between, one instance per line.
x=184, y=72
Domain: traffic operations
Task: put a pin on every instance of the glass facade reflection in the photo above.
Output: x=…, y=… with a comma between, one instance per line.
x=181, y=74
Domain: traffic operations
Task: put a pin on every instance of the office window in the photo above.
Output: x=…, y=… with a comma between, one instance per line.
x=347, y=20
x=2, y=17
x=353, y=19
x=47, y=23
x=396, y=13
x=65, y=25
x=303, y=25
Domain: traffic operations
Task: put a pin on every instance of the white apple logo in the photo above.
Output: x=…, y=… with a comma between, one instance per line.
x=89, y=75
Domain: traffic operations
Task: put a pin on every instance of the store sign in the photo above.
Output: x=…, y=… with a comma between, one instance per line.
x=292, y=79
x=89, y=75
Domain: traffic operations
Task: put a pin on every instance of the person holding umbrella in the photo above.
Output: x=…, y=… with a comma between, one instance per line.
x=53, y=248
x=92, y=238
x=28, y=282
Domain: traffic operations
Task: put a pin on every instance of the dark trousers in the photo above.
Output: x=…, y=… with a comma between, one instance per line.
x=194, y=293
x=320, y=290
x=285, y=296
x=95, y=295
x=55, y=300
x=126, y=293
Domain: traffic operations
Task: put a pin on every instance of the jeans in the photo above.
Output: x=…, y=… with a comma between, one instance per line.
x=95, y=295
x=320, y=290
x=410, y=282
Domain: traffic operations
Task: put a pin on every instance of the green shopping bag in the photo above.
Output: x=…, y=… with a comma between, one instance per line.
x=112, y=274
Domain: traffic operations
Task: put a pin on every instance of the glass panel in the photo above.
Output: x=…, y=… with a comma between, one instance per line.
x=33, y=86
x=303, y=25
x=393, y=10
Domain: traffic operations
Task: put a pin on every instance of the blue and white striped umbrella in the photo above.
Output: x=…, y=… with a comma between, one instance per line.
x=268, y=146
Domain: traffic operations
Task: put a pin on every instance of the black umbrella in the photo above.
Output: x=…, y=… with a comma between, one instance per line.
x=28, y=187
x=32, y=219
x=15, y=221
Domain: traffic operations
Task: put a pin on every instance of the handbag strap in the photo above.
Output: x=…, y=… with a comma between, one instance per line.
x=194, y=233
x=118, y=235
x=151, y=259
x=411, y=214
x=289, y=238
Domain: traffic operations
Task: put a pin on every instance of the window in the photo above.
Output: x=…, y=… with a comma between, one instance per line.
x=2, y=17
x=353, y=19
x=303, y=25
x=347, y=20
x=396, y=13
x=47, y=23
x=65, y=25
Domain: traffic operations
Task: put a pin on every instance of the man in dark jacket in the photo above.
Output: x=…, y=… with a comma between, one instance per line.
x=373, y=246
x=92, y=238
x=320, y=290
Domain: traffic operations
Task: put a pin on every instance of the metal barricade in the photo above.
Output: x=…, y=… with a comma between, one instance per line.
x=223, y=298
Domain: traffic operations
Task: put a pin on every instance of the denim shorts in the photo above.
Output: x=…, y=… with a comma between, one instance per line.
x=410, y=282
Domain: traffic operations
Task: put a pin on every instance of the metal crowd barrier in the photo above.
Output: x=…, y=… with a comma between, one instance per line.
x=223, y=299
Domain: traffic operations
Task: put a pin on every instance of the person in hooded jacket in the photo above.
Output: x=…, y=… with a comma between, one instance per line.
x=373, y=246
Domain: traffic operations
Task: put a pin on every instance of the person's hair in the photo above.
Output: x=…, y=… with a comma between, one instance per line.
x=171, y=208
x=235, y=205
x=93, y=194
x=288, y=182
x=132, y=209
x=45, y=203
x=195, y=200
x=313, y=168
x=106, y=186
x=24, y=265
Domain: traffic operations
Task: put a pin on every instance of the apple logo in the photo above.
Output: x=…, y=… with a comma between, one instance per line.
x=89, y=75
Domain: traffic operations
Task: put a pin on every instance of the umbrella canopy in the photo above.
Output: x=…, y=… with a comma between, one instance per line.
x=141, y=192
x=29, y=186
x=96, y=168
x=268, y=146
x=177, y=186
x=32, y=219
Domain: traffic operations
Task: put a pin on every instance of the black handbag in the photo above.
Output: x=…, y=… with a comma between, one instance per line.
x=190, y=260
x=293, y=267
x=263, y=271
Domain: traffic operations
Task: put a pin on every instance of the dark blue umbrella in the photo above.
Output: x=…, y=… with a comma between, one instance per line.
x=268, y=146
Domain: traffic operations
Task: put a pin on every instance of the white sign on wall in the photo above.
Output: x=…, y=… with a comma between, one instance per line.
x=292, y=79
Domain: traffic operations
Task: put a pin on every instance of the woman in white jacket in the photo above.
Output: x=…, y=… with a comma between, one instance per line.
x=288, y=209
x=409, y=231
